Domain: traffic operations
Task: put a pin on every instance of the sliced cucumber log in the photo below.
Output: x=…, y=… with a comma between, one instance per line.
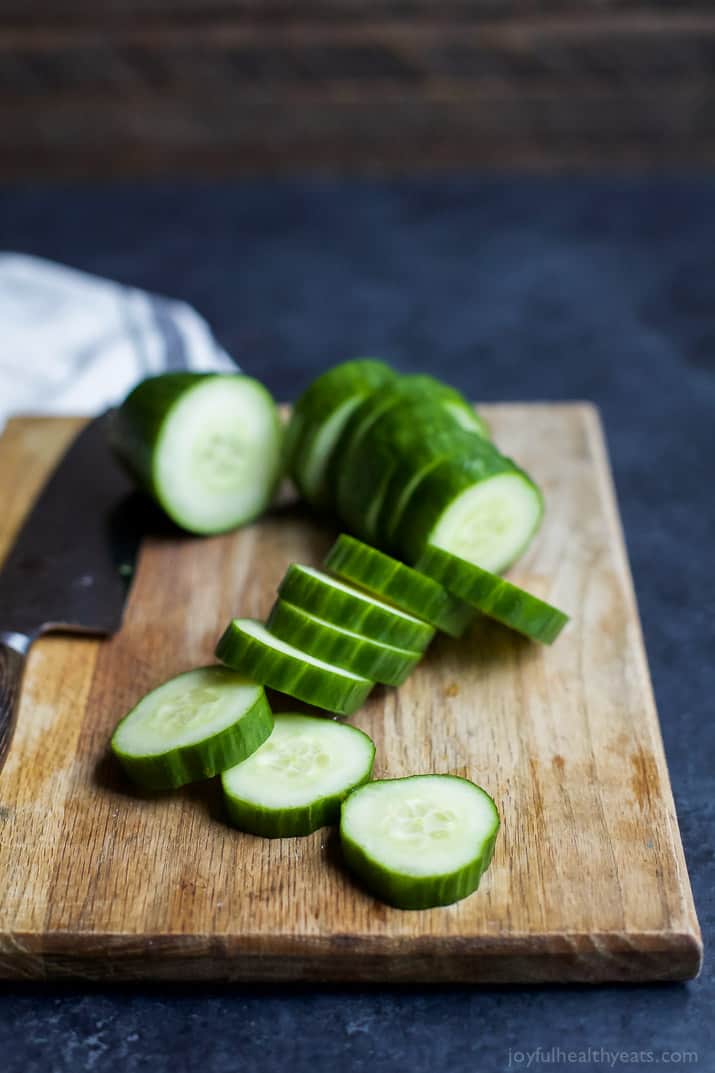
x=482, y=508
x=192, y=727
x=351, y=609
x=206, y=446
x=405, y=429
x=319, y=417
x=493, y=596
x=296, y=781
x=399, y=584
x=343, y=648
x=248, y=647
x=421, y=841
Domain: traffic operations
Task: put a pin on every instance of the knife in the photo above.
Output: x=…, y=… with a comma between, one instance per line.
x=72, y=563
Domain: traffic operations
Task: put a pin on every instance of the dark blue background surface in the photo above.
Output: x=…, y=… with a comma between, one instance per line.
x=525, y=289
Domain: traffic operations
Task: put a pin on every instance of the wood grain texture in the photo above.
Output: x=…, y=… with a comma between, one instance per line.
x=239, y=86
x=588, y=880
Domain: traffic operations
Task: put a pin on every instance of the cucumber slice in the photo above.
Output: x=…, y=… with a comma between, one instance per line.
x=206, y=446
x=344, y=606
x=421, y=841
x=343, y=648
x=495, y=597
x=319, y=417
x=192, y=727
x=390, y=579
x=247, y=646
x=483, y=508
x=295, y=783
x=468, y=418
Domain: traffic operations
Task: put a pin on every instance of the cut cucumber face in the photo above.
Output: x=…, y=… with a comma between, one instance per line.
x=248, y=647
x=347, y=607
x=495, y=597
x=483, y=509
x=343, y=648
x=399, y=584
x=295, y=783
x=419, y=842
x=192, y=727
x=206, y=446
x=318, y=419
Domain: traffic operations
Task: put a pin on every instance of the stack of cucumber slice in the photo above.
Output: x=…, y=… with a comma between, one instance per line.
x=436, y=512
x=404, y=461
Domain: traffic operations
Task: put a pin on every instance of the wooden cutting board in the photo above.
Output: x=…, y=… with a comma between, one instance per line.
x=588, y=880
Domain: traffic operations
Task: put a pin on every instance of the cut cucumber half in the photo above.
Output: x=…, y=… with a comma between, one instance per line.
x=192, y=727
x=495, y=597
x=248, y=647
x=399, y=584
x=343, y=648
x=295, y=783
x=421, y=841
x=206, y=446
x=484, y=509
x=347, y=607
x=318, y=419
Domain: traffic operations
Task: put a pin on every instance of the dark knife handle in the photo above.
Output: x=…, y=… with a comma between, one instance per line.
x=12, y=662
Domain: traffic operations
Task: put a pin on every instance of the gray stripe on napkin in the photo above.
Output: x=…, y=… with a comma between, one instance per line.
x=175, y=354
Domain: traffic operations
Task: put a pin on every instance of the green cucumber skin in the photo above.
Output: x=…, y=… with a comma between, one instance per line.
x=437, y=490
x=304, y=682
x=370, y=659
x=388, y=578
x=295, y=822
x=494, y=596
x=351, y=379
x=135, y=428
x=380, y=624
x=202, y=760
x=416, y=892
x=412, y=892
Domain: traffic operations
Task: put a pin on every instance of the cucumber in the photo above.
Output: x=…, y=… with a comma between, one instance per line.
x=418, y=406
x=192, y=727
x=295, y=783
x=347, y=607
x=319, y=417
x=495, y=597
x=468, y=418
x=248, y=647
x=404, y=439
x=482, y=508
x=343, y=648
x=399, y=584
x=418, y=842
x=205, y=446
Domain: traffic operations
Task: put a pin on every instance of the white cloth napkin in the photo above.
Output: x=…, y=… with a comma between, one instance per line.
x=74, y=343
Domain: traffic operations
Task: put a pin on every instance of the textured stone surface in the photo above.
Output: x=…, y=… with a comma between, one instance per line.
x=530, y=289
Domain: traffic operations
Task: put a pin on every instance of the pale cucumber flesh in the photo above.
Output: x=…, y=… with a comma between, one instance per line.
x=295, y=782
x=192, y=726
x=419, y=841
x=491, y=523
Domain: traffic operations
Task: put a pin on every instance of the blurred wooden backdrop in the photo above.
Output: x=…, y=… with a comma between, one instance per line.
x=148, y=87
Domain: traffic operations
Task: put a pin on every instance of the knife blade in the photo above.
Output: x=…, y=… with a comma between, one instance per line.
x=72, y=562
